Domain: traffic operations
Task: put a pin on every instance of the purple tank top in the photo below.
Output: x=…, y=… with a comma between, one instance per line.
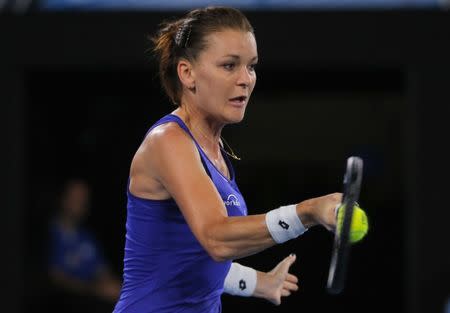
x=165, y=267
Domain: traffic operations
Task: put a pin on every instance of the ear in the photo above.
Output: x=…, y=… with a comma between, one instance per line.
x=186, y=74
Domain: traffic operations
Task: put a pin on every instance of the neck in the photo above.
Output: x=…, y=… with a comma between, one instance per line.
x=204, y=128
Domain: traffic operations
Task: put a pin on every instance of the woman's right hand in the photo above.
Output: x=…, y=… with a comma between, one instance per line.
x=320, y=211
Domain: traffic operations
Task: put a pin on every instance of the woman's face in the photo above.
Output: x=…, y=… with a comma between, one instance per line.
x=75, y=201
x=225, y=75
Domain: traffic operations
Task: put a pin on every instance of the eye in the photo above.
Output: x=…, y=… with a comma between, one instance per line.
x=229, y=66
x=253, y=67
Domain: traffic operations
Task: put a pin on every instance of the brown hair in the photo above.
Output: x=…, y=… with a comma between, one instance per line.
x=186, y=38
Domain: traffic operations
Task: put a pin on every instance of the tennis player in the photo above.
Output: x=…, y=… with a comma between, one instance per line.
x=186, y=218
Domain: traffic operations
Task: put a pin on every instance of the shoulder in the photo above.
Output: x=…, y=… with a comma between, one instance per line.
x=166, y=133
x=166, y=146
x=165, y=139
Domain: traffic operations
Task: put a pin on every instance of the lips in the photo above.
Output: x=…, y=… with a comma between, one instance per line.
x=238, y=101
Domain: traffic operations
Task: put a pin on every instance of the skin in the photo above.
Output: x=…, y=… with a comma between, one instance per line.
x=74, y=205
x=223, y=70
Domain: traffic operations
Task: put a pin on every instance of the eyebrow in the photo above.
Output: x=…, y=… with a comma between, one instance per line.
x=235, y=56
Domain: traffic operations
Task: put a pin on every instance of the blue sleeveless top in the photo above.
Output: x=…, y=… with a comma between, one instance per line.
x=165, y=267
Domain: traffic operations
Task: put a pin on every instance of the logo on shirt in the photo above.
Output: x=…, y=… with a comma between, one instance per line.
x=232, y=200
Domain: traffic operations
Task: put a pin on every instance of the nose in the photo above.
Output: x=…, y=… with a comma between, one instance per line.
x=245, y=77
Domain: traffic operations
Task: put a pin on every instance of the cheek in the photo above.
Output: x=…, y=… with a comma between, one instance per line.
x=209, y=83
x=215, y=86
x=252, y=85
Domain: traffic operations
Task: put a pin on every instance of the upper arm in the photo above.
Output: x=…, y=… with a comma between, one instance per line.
x=172, y=159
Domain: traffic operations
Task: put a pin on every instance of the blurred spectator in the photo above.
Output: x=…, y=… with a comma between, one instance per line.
x=78, y=272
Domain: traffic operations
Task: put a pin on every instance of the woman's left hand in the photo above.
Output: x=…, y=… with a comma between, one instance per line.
x=277, y=283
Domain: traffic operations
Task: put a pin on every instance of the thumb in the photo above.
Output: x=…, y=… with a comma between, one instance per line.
x=287, y=262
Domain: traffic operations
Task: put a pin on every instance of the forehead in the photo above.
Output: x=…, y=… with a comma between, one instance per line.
x=231, y=42
x=76, y=189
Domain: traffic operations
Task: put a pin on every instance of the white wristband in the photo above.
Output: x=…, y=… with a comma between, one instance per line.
x=284, y=224
x=240, y=281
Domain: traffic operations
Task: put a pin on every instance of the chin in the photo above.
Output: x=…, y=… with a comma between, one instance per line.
x=235, y=116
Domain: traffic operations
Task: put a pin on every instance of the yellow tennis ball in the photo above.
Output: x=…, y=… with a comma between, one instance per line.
x=359, y=225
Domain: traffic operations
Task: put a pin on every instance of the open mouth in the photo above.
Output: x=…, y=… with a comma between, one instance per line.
x=238, y=100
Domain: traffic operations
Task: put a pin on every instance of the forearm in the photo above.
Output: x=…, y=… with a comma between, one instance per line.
x=237, y=237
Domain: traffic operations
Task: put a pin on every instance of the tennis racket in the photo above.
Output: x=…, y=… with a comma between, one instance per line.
x=341, y=246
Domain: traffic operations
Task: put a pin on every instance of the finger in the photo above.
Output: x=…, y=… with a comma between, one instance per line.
x=285, y=293
x=336, y=197
x=283, y=267
x=291, y=258
x=276, y=301
x=290, y=286
x=292, y=278
x=287, y=262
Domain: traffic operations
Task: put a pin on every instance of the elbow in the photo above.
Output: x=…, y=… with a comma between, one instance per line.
x=219, y=251
x=216, y=244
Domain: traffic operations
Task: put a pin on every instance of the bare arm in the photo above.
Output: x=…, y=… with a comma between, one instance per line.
x=170, y=157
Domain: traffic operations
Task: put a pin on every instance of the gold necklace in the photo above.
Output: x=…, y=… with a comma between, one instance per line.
x=232, y=154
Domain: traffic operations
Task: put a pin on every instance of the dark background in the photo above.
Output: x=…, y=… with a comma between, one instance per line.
x=78, y=92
